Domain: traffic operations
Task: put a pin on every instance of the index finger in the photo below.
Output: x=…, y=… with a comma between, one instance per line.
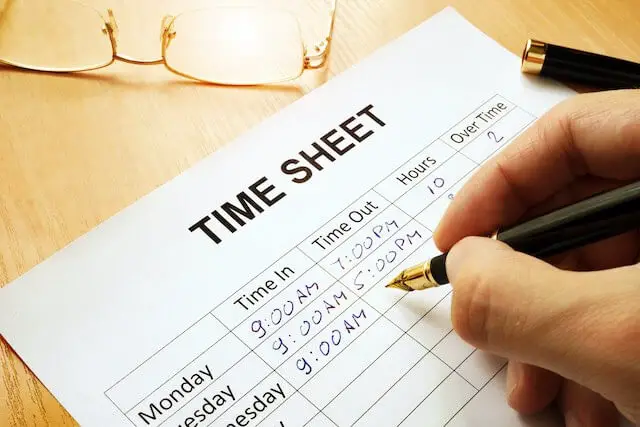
x=594, y=134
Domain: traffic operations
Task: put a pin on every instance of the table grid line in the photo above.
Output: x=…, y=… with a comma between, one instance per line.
x=480, y=105
x=518, y=106
x=455, y=368
x=425, y=398
x=310, y=418
x=187, y=364
x=474, y=395
x=155, y=353
x=119, y=410
x=274, y=295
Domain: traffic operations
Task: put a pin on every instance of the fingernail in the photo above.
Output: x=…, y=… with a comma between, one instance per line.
x=513, y=377
x=571, y=420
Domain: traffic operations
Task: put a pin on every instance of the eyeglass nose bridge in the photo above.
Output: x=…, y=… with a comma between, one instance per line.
x=111, y=28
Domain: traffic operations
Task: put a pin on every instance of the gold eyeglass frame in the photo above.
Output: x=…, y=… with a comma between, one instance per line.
x=313, y=58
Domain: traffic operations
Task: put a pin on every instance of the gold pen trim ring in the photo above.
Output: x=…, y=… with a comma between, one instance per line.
x=533, y=56
x=428, y=274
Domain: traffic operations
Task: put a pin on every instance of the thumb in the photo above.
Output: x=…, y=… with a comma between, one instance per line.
x=584, y=326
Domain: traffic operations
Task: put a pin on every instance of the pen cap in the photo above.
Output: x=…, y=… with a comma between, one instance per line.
x=572, y=65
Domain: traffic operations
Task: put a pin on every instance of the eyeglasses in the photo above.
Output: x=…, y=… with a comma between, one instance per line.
x=222, y=45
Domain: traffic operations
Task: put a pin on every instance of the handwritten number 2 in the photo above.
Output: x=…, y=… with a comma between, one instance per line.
x=492, y=135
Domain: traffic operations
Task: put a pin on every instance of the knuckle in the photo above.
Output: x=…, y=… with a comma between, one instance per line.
x=471, y=308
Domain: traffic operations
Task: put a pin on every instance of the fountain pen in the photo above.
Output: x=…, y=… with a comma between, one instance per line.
x=596, y=218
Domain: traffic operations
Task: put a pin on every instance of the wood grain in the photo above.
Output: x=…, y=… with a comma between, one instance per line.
x=76, y=149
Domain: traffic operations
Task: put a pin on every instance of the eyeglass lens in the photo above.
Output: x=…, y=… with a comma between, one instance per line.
x=53, y=35
x=226, y=45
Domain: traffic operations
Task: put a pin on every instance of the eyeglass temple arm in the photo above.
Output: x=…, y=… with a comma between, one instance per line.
x=320, y=52
x=4, y=9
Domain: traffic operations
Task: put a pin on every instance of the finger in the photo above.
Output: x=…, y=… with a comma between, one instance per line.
x=592, y=134
x=583, y=326
x=610, y=253
x=579, y=189
x=584, y=408
x=606, y=254
x=531, y=389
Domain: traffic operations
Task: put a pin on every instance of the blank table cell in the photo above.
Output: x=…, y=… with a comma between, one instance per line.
x=480, y=367
x=375, y=381
x=435, y=325
x=482, y=410
x=406, y=394
x=452, y=350
x=413, y=307
x=442, y=404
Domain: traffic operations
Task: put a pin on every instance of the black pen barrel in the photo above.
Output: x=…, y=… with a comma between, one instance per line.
x=576, y=66
x=596, y=218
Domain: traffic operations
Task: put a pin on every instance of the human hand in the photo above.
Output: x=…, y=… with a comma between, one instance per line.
x=570, y=327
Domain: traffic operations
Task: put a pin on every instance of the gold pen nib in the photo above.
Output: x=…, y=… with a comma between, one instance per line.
x=415, y=278
x=398, y=283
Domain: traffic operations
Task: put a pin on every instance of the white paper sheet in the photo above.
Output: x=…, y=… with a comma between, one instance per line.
x=286, y=321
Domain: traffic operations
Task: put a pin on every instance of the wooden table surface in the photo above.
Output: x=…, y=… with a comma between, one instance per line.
x=74, y=150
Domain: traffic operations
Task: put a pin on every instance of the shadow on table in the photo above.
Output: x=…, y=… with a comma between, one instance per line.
x=317, y=78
